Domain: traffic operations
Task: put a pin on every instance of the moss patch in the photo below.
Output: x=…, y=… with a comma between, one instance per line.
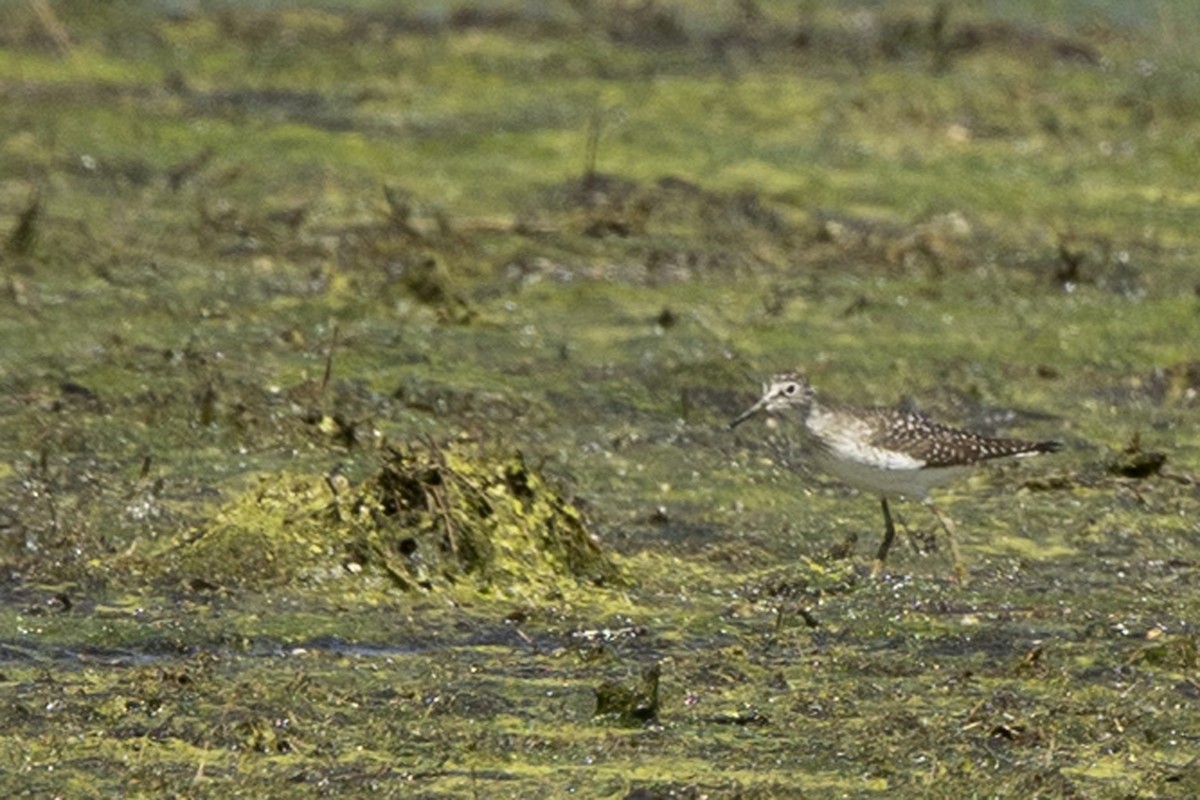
x=432, y=516
x=435, y=514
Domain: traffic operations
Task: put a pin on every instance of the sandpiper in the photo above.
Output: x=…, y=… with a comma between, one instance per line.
x=891, y=452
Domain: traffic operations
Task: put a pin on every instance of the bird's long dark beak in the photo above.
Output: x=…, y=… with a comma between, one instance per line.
x=748, y=413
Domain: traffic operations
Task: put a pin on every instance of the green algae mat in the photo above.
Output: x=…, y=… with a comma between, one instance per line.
x=366, y=370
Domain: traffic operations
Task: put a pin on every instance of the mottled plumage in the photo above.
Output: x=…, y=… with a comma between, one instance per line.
x=915, y=434
x=888, y=451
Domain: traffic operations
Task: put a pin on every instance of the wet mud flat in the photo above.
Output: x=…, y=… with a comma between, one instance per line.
x=366, y=375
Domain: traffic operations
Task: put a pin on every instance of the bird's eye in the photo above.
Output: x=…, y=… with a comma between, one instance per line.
x=790, y=389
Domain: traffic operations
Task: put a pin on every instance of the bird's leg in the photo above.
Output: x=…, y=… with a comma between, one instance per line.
x=889, y=533
x=952, y=533
x=922, y=542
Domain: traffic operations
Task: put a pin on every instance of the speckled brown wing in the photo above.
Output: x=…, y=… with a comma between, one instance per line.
x=938, y=445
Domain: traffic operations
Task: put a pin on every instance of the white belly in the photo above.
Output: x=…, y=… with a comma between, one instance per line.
x=894, y=479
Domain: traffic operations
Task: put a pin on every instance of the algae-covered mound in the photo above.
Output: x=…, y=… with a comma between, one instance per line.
x=428, y=518
x=436, y=514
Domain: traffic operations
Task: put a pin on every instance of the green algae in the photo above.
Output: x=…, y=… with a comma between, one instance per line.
x=279, y=252
x=438, y=515
x=430, y=517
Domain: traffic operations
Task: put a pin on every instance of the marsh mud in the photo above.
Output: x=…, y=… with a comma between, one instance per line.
x=365, y=373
